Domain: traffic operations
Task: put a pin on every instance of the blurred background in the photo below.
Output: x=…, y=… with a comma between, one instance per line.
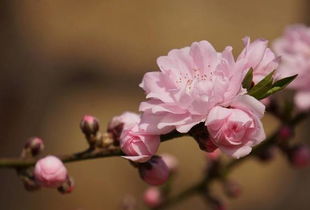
x=62, y=59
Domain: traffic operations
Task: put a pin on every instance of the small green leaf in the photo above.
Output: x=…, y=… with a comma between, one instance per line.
x=279, y=85
x=260, y=89
x=247, y=81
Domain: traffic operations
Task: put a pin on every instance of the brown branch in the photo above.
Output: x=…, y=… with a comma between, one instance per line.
x=79, y=156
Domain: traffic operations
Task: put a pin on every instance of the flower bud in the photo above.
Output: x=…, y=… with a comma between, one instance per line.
x=232, y=189
x=50, y=172
x=67, y=187
x=171, y=162
x=155, y=171
x=138, y=146
x=32, y=147
x=89, y=125
x=299, y=156
x=119, y=123
x=285, y=132
x=152, y=197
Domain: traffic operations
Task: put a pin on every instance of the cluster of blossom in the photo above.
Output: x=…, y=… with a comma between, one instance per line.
x=209, y=95
x=294, y=49
x=197, y=85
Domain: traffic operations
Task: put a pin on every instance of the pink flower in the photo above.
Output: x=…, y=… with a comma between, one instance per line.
x=137, y=145
x=152, y=197
x=235, y=130
x=127, y=120
x=155, y=171
x=259, y=57
x=50, y=172
x=294, y=49
x=191, y=82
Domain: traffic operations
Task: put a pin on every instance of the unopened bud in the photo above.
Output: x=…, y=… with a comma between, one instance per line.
x=50, y=172
x=285, y=133
x=155, y=171
x=170, y=161
x=67, y=187
x=122, y=122
x=152, y=197
x=299, y=156
x=232, y=189
x=33, y=147
x=89, y=125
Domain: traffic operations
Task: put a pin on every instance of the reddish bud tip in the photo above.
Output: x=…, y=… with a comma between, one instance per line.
x=89, y=125
x=33, y=147
x=286, y=132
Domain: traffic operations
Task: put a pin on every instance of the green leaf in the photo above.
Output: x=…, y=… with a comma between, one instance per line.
x=247, y=81
x=261, y=88
x=279, y=85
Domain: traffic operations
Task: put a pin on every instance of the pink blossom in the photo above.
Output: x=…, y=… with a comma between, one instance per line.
x=137, y=145
x=191, y=82
x=259, y=57
x=127, y=120
x=294, y=49
x=155, y=171
x=50, y=172
x=235, y=130
x=152, y=197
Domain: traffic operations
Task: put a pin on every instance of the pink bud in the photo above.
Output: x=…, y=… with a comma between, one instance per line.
x=152, y=197
x=50, y=172
x=33, y=147
x=285, y=132
x=89, y=125
x=170, y=161
x=127, y=120
x=300, y=156
x=155, y=171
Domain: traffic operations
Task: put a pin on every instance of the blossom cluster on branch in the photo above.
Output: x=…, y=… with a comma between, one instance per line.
x=217, y=99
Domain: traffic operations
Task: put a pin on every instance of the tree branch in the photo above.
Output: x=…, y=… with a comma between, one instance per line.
x=79, y=156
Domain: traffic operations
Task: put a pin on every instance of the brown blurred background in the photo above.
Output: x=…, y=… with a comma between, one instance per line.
x=62, y=59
